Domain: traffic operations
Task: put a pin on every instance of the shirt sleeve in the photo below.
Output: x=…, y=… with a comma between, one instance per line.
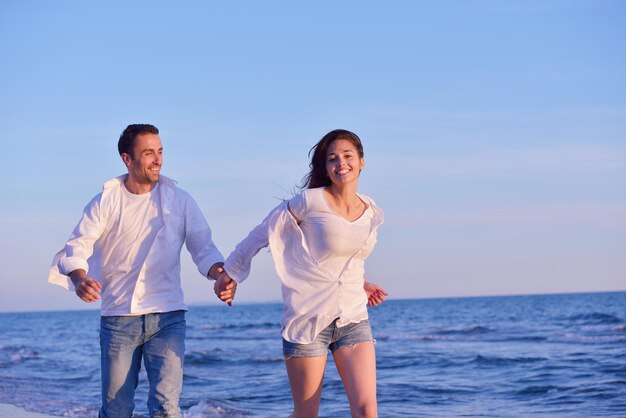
x=298, y=206
x=199, y=238
x=80, y=245
x=239, y=262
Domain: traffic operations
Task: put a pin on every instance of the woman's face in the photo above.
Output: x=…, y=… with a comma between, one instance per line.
x=343, y=163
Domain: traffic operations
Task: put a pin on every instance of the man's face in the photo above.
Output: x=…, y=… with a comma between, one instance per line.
x=144, y=163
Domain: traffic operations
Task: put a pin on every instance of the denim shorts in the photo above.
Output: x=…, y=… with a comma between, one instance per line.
x=331, y=337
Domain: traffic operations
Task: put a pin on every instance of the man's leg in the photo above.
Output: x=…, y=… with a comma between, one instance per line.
x=120, y=353
x=164, y=352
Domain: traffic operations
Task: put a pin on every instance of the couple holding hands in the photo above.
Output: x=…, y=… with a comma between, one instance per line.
x=125, y=251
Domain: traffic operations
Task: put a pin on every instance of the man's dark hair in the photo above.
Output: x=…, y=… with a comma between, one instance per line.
x=127, y=139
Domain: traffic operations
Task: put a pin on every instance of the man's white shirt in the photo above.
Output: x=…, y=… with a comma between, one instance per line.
x=131, y=244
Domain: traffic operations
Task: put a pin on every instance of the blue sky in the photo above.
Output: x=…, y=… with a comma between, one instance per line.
x=494, y=132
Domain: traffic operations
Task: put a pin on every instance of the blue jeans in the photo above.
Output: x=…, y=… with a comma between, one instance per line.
x=159, y=339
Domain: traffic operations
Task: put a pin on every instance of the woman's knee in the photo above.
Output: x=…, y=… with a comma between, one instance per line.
x=366, y=408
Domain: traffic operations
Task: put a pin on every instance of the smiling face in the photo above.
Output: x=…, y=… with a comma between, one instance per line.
x=145, y=161
x=343, y=162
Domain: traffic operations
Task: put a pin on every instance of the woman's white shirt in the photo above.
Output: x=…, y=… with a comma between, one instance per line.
x=329, y=236
x=320, y=262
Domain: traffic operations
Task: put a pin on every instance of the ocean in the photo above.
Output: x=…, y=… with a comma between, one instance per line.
x=515, y=356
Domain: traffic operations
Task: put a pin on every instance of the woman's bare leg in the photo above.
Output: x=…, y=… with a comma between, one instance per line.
x=357, y=367
x=305, y=377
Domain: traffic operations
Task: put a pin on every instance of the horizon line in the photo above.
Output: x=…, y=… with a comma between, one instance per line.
x=275, y=302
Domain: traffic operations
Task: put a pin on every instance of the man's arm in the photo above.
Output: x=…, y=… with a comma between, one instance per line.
x=215, y=270
x=72, y=260
x=199, y=241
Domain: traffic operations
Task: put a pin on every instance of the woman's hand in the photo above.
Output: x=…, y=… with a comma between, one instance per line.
x=375, y=294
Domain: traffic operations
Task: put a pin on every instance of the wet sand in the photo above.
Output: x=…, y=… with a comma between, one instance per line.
x=11, y=411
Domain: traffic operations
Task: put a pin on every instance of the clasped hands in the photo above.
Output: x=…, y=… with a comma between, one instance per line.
x=225, y=287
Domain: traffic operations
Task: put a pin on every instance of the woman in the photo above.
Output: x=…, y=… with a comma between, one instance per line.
x=319, y=240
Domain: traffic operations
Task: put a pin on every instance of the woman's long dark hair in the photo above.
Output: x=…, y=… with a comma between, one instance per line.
x=318, y=177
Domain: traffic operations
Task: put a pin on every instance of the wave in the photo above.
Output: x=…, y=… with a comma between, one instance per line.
x=399, y=362
x=587, y=339
x=540, y=390
x=204, y=357
x=246, y=326
x=617, y=369
x=503, y=361
x=433, y=338
x=487, y=334
x=535, y=338
x=477, y=329
x=10, y=355
x=445, y=389
x=79, y=412
x=219, y=356
x=211, y=409
x=595, y=318
x=267, y=359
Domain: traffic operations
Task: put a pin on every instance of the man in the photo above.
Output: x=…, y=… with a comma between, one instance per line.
x=126, y=251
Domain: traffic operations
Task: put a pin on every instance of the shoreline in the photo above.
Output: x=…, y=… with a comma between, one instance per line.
x=12, y=411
